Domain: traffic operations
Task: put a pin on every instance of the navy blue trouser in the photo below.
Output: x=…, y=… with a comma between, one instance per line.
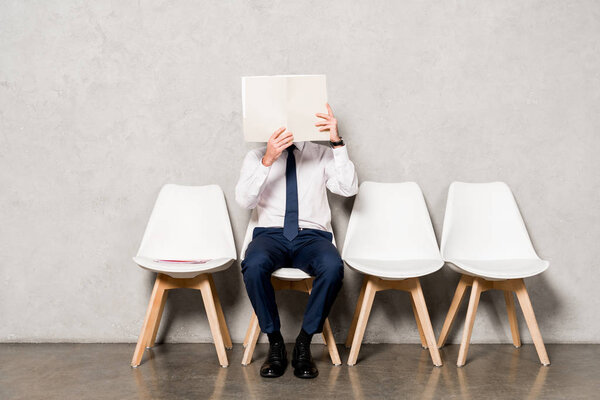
x=311, y=251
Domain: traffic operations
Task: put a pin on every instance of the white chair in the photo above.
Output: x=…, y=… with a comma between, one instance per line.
x=281, y=279
x=390, y=239
x=485, y=239
x=187, y=223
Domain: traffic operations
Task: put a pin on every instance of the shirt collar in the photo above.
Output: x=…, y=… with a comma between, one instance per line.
x=299, y=145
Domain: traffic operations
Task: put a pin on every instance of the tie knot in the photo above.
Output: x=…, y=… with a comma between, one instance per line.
x=290, y=150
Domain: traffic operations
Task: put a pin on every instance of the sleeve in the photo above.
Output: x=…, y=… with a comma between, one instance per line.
x=252, y=180
x=340, y=173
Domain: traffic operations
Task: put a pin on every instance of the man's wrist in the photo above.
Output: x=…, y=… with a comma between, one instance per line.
x=336, y=142
x=262, y=160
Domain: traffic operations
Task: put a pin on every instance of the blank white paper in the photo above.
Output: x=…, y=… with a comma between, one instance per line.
x=270, y=102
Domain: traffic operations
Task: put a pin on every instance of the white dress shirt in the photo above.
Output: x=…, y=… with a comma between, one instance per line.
x=317, y=167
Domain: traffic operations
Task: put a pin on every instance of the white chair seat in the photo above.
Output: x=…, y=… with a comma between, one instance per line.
x=187, y=223
x=391, y=241
x=500, y=269
x=290, y=274
x=183, y=270
x=485, y=239
x=395, y=269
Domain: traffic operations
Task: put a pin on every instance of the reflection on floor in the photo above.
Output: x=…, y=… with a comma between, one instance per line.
x=175, y=371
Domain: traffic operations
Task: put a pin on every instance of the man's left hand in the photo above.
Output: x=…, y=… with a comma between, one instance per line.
x=329, y=124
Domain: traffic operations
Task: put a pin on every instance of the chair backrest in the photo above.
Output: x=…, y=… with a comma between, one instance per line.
x=253, y=223
x=483, y=222
x=189, y=222
x=390, y=221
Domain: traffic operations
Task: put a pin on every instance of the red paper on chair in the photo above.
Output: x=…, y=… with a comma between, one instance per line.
x=183, y=261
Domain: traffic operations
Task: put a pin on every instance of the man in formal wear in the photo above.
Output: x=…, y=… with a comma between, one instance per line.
x=287, y=183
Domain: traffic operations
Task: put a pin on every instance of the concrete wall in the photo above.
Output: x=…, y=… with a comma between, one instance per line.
x=101, y=103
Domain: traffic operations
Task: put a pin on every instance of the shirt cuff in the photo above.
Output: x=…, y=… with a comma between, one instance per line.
x=340, y=155
x=262, y=168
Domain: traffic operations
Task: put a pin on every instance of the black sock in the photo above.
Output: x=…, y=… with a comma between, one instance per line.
x=304, y=337
x=275, y=337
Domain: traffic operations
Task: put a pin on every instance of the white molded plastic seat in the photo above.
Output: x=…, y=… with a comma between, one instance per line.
x=390, y=239
x=499, y=269
x=290, y=274
x=390, y=234
x=183, y=270
x=484, y=234
x=395, y=269
x=188, y=223
x=485, y=239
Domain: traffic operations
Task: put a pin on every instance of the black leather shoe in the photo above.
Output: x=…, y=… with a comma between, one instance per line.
x=276, y=362
x=302, y=361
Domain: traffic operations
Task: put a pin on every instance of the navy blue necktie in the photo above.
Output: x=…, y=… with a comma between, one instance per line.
x=290, y=223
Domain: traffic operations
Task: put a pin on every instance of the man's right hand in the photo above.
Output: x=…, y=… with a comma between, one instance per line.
x=278, y=142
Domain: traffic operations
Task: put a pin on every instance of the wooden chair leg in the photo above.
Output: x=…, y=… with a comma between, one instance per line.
x=213, y=319
x=249, y=330
x=419, y=327
x=356, y=312
x=363, y=317
x=222, y=322
x=150, y=321
x=458, y=295
x=534, y=330
x=423, y=316
x=161, y=308
x=253, y=334
x=468, y=329
x=512, y=317
x=330, y=342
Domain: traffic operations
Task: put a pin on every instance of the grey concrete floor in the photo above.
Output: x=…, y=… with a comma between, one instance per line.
x=191, y=371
